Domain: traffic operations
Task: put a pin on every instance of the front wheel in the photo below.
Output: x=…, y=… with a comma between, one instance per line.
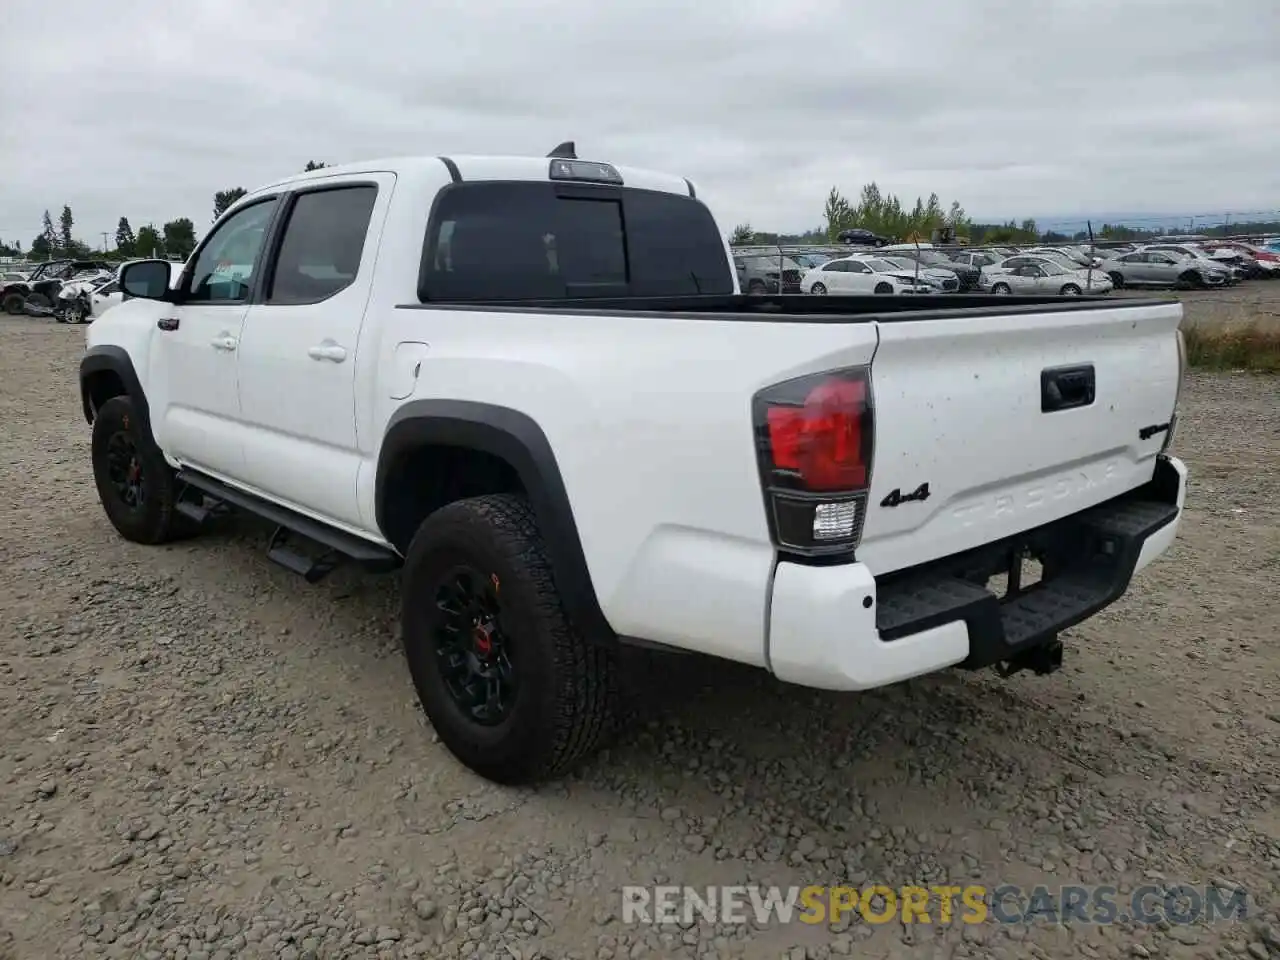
x=884, y=288
x=15, y=304
x=510, y=685
x=1117, y=279
x=819, y=289
x=756, y=288
x=1003, y=289
x=1069, y=290
x=137, y=487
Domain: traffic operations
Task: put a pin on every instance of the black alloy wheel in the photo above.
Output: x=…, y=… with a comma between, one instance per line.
x=124, y=470
x=474, y=656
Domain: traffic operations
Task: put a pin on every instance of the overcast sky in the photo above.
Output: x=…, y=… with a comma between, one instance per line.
x=1016, y=108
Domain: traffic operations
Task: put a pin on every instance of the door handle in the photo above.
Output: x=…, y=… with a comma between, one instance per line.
x=327, y=350
x=224, y=342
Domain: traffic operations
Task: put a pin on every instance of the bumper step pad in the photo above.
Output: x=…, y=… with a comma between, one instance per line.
x=1088, y=560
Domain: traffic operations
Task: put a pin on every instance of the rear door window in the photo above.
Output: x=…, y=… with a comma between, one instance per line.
x=538, y=240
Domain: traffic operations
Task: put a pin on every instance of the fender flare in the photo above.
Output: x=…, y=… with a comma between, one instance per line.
x=516, y=438
x=116, y=360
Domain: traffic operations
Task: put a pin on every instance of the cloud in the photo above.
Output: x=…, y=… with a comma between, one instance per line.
x=1068, y=107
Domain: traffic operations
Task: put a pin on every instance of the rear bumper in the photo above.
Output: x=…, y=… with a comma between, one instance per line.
x=840, y=628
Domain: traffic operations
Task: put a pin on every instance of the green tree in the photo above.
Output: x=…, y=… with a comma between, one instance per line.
x=179, y=238
x=223, y=199
x=41, y=249
x=742, y=234
x=314, y=165
x=147, y=243
x=837, y=213
x=124, y=238
x=65, y=223
x=49, y=234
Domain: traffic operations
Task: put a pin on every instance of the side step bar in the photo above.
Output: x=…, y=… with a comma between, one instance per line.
x=217, y=499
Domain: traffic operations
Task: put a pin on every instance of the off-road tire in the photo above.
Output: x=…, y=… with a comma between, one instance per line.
x=566, y=692
x=15, y=304
x=154, y=521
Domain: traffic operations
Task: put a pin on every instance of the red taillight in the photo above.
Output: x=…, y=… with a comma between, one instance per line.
x=814, y=436
x=822, y=440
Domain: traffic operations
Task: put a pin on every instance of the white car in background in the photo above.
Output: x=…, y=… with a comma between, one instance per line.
x=940, y=278
x=855, y=275
x=84, y=300
x=1042, y=275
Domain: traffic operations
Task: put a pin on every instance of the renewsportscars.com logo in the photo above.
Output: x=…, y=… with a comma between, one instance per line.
x=1177, y=904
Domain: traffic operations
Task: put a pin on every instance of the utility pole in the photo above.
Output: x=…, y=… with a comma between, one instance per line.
x=105, y=233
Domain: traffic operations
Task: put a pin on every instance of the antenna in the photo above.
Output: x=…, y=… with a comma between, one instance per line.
x=565, y=151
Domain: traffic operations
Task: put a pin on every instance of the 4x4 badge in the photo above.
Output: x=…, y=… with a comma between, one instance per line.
x=897, y=497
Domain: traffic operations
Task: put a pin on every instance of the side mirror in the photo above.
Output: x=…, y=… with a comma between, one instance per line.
x=146, y=279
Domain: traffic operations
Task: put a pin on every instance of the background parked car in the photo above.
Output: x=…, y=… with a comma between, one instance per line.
x=928, y=257
x=862, y=237
x=759, y=274
x=40, y=288
x=1044, y=277
x=1159, y=268
x=1086, y=279
x=856, y=275
x=83, y=301
x=1234, y=274
x=942, y=280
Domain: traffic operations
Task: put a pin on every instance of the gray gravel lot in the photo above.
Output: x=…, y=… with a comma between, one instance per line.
x=202, y=757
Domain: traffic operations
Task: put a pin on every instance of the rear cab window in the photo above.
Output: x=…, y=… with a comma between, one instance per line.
x=533, y=240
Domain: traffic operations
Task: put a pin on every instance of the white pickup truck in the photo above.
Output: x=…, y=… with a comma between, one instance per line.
x=534, y=385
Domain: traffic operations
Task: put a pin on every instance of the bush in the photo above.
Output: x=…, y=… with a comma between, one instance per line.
x=1247, y=346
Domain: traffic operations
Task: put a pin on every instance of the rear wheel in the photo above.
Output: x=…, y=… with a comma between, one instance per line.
x=819, y=289
x=1069, y=290
x=883, y=288
x=1191, y=279
x=1001, y=288
x=756, y=288
x=137, y=487
x=512, y=688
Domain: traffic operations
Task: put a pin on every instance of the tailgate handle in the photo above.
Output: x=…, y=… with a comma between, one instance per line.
x=1065, y=388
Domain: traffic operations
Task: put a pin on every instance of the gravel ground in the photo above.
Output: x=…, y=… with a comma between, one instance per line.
x=1254, y=301
x=202, y=757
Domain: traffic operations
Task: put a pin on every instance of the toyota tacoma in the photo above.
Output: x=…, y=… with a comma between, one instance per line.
x=534, y=387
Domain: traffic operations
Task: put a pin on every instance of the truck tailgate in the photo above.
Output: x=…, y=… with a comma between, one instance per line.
x=1012, y=421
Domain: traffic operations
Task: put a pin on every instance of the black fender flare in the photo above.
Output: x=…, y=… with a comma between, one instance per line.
x=516, y=438
x=116, y=360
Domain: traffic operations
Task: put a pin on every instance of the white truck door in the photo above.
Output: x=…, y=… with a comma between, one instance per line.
x=195, y=407
x=297, y=358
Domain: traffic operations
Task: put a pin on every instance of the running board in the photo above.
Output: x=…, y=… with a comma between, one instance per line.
x=217, y=498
